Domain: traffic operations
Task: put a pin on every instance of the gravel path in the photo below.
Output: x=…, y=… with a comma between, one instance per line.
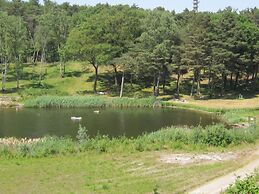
x=221, y=184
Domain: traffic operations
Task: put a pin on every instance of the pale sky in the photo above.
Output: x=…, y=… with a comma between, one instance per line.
x=177, y=5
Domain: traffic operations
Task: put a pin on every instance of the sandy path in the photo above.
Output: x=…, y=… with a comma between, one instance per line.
x=221, y=184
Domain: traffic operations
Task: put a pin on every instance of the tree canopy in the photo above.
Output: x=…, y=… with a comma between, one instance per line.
x=218, y=52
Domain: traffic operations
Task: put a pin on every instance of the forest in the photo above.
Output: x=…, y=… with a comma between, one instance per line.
x=216, y=53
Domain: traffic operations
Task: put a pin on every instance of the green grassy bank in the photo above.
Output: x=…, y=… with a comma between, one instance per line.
x=121, y=165
x=136, y=173
x=196, y=139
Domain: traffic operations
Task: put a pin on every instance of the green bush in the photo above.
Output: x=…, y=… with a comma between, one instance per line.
x=249, y=186
x=82, y=134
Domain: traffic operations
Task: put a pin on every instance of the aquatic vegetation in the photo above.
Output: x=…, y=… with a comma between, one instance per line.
x=171, y=138
x=89, y=101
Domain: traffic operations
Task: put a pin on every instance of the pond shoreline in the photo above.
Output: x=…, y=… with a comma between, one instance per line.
x=172, y=138
x=9, y=102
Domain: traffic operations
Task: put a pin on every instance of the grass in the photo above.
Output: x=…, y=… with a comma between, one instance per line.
x=122, y=165
x=166, y=139
x=249, y=103
x=77, y=80
x=92, y=172
x=103, y=165
x=89, y=101
x=231, y=115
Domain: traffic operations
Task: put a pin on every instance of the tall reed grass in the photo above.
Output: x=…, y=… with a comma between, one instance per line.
x=89, y=101
x=166, y=139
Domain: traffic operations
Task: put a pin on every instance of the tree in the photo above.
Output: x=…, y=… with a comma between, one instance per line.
x=160, y=34
x=194, y=49
x=177, y=66
x=13, y=45
x=88, y=42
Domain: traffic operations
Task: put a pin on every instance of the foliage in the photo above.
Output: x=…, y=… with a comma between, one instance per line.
x=82, y=134
x=165, y=139
x=216, y=52
x=88, y=101
x=248, y=185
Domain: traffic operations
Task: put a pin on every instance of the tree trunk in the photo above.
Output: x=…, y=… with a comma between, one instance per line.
x=4, y=73
x=256, y=73
x=198, y=83
x=178, y=84
x=247, y=79
x=223, y=84
x=157, y=85
x=164, y=80
x=62, y=69
x=193, y=81
x=36, y=57
x=131, y=80
x=211, y=86
x=33, y=56
x=122, y=85
x=95, y=78
x=231, y=80
x=154, y=85
x=17, y=77
x=236, y=81
x=41, y=64
x=115, y=75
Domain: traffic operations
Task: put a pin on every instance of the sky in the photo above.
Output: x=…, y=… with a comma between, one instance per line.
x=177, y=5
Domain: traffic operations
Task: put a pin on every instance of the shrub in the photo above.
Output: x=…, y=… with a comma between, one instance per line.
x=249, y=185
x=82, y=134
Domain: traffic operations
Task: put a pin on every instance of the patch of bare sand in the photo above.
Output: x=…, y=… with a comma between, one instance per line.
x=184, y=159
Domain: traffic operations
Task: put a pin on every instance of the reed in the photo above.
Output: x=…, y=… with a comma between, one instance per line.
x=89, y=101
x=172, y=138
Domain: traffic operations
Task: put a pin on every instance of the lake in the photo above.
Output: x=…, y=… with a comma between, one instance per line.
x=113, y=122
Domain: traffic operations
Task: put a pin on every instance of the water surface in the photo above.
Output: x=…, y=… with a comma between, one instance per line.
x=113, y=122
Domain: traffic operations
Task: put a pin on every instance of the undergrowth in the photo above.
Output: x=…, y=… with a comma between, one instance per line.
x=166, y=139
x=248, y=185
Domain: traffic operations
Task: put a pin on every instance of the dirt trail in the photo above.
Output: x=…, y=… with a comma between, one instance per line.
x=222, y=183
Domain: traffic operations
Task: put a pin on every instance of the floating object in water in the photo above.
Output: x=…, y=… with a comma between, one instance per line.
x=76, y=118
x=96, y=111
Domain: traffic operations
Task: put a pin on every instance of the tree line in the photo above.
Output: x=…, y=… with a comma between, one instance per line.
x=144, y=47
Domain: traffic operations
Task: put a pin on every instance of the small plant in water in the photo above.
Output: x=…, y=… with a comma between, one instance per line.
x=82, y=134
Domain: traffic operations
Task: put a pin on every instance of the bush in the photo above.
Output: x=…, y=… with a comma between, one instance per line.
x=82, y=134
x=249, y=185
x=218, y=136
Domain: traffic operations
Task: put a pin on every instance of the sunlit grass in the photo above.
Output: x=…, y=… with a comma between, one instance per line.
x=105, y=173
